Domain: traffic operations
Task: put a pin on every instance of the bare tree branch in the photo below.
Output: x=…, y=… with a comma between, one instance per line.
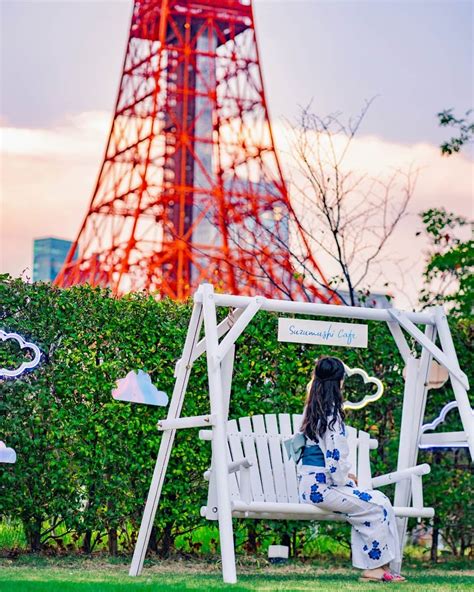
x=350, y=216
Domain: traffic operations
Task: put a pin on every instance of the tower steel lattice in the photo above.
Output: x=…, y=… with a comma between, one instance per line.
x=191, y=189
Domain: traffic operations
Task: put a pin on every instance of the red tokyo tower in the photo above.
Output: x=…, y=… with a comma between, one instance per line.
x=190, y=188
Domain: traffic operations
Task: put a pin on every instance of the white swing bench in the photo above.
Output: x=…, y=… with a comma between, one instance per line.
x=263, y=482
x=249, y=469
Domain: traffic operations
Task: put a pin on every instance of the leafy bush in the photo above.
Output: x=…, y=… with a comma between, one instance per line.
x=85, y=460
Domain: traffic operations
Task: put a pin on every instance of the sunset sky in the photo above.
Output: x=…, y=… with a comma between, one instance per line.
x=60, y=69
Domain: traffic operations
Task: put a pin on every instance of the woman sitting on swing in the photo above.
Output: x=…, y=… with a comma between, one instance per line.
x=325, y=481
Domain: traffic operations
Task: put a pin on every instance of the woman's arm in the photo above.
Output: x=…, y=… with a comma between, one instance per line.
x=337, y=453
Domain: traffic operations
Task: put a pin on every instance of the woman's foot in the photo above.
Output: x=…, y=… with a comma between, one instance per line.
x=380, y=574
x=398, y=577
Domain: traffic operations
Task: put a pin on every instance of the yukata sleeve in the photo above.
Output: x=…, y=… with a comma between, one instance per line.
x=337, y=453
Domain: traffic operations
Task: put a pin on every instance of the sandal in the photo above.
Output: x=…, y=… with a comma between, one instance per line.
x=386, y=577
x=398, y=577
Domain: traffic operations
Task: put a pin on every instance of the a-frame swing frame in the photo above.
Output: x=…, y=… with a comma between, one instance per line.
x=218, y=343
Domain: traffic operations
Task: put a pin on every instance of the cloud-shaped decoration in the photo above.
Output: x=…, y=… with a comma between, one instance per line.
x=367, y=380
x=431, y=427
x=7, y=455
x=23, y=345
x=441, y=417
x=138, y=388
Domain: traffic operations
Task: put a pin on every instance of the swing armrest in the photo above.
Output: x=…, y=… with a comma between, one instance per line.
x=237, y=465
x=397, y=476
x=413, y=473
x=243, y=467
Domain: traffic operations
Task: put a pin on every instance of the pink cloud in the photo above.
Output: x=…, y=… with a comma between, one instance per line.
x=48, y=175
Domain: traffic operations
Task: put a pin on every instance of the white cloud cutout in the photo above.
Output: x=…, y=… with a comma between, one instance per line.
x=138, y=388
x=431, y=427
x=370, y=398
x=428, y=427
x=7, y=455
x=12, y=373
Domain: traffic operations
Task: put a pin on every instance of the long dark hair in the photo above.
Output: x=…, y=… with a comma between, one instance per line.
x=324, y=398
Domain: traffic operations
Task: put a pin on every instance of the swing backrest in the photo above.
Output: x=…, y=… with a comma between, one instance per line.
x=273, y=475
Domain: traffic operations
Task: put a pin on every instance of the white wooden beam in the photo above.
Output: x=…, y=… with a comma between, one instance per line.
x=227, y=366
x=166, y=444
x=219, y=439
x=417, y=491
x=459, y=388
x=444, y=440
x=402, y=488
x=440, y=356
x=414, y=402
x=294, y=511
x=397, y=476
x=222, y=329
x=197, y=421
x=323, y=310
x=400, y=340
x=238, y=328
x=406, y=427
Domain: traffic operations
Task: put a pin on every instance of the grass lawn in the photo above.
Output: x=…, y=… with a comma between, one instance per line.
x=75, y=574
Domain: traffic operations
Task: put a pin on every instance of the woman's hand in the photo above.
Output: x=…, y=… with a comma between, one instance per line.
x=353, y=477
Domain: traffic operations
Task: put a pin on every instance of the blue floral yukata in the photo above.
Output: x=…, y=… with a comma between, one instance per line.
x=374, y=539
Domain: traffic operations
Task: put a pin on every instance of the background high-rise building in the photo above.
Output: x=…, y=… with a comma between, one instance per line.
x=49, y=255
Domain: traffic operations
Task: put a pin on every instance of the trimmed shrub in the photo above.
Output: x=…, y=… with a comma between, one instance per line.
x=85, y=460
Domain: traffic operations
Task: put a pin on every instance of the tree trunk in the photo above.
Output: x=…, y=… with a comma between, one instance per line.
x=33, y=534
x=112, y=541
x=166, y=542
x=87, y=542
x=153, y=544
x=251, y=543
x=286, y=541
x=435, y=540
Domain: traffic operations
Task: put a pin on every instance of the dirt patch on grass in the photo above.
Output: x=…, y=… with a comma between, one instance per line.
x=245, y=565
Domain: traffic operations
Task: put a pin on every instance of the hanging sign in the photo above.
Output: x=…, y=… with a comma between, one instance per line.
x=322, y=332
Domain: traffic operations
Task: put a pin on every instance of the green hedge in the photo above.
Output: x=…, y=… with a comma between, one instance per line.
x=85, y=461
